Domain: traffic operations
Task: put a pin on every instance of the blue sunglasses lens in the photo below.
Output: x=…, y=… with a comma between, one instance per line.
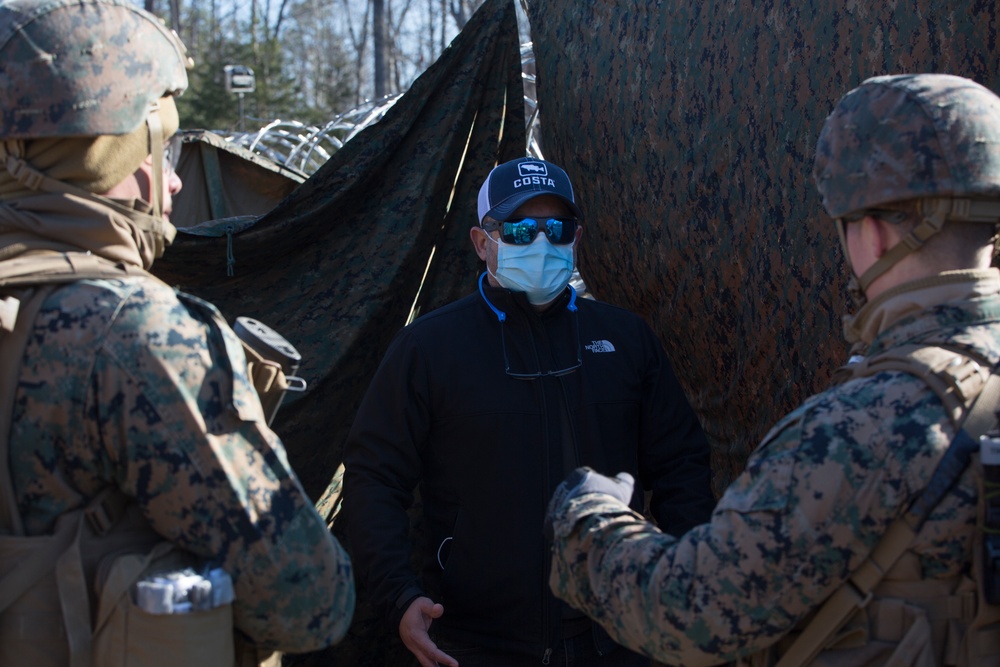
x=524, y=230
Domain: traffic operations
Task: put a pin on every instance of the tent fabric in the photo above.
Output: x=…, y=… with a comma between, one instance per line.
x=216, y=174
x=337, y=266
x=689, y=130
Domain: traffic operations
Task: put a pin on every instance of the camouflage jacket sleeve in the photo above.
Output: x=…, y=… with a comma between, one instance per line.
x=813, y=501
x=170, y=417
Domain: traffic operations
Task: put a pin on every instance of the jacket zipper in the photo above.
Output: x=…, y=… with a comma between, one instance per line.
x=548, y=606
x=551, y=606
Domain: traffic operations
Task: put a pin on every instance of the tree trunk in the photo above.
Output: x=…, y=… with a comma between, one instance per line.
x=175, y=15
x=380, y=33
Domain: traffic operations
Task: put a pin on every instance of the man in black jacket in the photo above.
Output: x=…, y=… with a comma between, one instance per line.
x=488, y=403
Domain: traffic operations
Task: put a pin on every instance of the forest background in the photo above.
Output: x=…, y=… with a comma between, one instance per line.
x=312, y=59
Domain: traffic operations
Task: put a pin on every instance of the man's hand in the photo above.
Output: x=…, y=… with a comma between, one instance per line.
x=413, y=629
x=585, y=480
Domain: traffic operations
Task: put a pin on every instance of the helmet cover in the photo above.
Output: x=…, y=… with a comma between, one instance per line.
x=83, y=67
x=903, y=137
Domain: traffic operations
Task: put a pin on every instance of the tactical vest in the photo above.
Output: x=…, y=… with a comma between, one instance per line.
x=81, y=577
x=886, y=613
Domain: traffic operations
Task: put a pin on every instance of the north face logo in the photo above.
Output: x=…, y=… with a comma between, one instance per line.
x=532, y=169
x=600, y=346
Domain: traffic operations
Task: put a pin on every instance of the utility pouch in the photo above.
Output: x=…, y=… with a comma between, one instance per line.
x=271, y=363
x=127, y=636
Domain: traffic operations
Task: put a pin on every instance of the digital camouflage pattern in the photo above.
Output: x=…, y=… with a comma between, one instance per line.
x=129, y=383
x=83, y=67
x=944, y=140
x=126, y=382
x=689, y=130
x=815, y=498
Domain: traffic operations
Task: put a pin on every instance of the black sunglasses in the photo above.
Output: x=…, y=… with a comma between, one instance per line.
x=522, y=231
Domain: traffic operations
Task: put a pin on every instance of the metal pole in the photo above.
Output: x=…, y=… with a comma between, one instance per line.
x=241, y=112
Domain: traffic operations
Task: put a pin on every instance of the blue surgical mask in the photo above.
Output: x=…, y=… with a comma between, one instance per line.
x=540, y=269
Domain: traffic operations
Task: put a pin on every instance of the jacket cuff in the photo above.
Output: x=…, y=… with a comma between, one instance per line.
x=401, y=604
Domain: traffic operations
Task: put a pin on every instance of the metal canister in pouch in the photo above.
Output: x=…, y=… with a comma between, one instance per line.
x=271, y=346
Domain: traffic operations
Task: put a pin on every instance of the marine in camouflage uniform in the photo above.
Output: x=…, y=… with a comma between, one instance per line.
x=126, y=382
x=898, y=155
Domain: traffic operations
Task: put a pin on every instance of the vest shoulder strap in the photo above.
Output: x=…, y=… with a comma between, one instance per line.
x=24, y=283
x=956, y=375
x=46, y=267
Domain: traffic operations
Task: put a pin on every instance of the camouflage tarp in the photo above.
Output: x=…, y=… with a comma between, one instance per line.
x=689, y=129
x=337, y=266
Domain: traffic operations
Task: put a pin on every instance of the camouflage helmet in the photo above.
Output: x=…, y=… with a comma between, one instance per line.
x=905, y=137
x=83, y=67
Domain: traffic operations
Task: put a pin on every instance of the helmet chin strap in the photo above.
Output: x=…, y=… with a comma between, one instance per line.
x=12, y=156
x=154, y=127
x=161, y=232
x=934, y=213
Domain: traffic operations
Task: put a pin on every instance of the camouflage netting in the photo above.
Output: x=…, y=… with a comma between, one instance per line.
x=337, y=265
x=689, y=129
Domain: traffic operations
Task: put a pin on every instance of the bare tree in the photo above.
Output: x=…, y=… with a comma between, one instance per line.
x=316, y=51
x=461, y=11
x=380, y=38
x=175, y=15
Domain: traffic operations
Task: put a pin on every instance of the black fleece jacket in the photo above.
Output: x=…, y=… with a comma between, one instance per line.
x=445, y=410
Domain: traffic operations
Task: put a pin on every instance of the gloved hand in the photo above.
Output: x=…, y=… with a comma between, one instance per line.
x=585, y=480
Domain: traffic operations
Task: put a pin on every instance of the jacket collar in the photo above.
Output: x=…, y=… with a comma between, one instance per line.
x=516, y=304
x=892, y=318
